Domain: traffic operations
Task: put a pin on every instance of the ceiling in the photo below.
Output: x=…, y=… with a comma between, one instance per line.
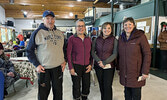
x=61, y=8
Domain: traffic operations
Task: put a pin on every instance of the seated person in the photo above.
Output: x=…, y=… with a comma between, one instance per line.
x=16, y=44
x=9, y=46
x=7, y=68
x=23, y=50
x=17, y=41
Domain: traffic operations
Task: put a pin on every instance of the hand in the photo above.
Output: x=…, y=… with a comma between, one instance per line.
x=11, y=74
x=63, y=65
x=144, y=77
x=72, y=72
x=101, y=64
x=40, y=68
x=89, y=67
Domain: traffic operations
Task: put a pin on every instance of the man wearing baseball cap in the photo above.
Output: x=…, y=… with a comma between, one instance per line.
x=49, y=60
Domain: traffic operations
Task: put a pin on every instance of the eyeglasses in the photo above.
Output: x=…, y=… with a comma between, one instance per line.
x=81, y=26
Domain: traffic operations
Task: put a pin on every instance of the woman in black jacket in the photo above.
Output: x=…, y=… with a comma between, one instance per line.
x=104, y=52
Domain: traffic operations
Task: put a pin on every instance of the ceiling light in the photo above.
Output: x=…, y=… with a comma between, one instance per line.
x=71, y=5
x=25, y=12
x=79, y=0
x=11, y=1
x=66, y=16
x=71, y=14
x=24, y=4
x=43, y=5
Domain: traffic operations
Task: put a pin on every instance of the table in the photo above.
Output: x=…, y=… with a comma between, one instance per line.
x=19, y=59
x=24, y=68
x=11, y=54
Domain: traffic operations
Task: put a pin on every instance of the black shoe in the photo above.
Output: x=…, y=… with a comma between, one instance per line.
x=84, y=98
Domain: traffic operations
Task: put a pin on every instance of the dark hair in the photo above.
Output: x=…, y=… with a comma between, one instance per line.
x=129, y=19
x=1, y=46
x=162, y=25
x=10, y=40
x=104, y=25
x=17, y=41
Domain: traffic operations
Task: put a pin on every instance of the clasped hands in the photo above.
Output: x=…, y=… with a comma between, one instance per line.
x=89, y=67
x=101, y=64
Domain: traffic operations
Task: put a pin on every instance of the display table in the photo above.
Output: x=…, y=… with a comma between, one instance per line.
x=11, y=54
x=19, y=59
x=24, y=68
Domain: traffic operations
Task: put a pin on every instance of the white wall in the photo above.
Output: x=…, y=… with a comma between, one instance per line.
x=90, y=13
x=27, y=23
x=2, y=15
x=99, y=10
x=65, y=22
x=23, y=24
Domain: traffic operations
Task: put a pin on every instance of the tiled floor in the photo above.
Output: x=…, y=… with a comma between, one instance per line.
x=155, y=89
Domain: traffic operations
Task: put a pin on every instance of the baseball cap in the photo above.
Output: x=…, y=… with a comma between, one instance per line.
x=48, y=12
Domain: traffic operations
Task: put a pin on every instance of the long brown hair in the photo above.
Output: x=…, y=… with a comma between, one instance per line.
x=104, y=25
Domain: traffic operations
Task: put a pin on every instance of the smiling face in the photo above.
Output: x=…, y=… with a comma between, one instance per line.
x=107, y=30
x=49, y=21
x=80, y=27
x=10, y=42
x=128, y=27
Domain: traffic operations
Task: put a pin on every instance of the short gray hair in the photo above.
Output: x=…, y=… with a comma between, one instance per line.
x=79, y=20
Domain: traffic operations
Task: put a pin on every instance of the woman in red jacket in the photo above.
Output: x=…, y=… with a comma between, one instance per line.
x=134, y=59
x=104, y=52
x=79, y=61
